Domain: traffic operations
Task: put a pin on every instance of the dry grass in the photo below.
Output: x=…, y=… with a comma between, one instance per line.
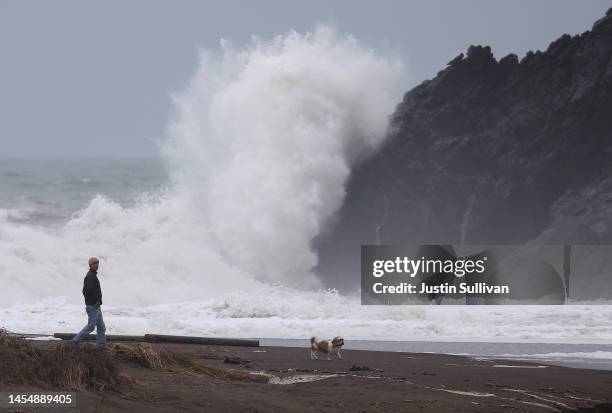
x=142, y=354
x=87, y=368
x=71, y=368
x=171, y=361
x=19, y=362
x=63, y=368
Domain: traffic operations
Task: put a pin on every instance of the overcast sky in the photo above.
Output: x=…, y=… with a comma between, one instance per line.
x=79, y=78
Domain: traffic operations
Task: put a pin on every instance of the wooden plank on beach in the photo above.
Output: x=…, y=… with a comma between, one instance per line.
x=70, y=336
x=160, y=338
x=26, y=335
x=214, y=341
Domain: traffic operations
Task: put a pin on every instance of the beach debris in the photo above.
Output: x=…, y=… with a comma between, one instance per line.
x=235, y=360
x=364, y=368
x=211, y=357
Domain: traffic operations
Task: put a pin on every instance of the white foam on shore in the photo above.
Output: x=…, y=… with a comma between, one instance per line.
x=595, y=355
x=468, y=393
x=47, y=338
x=294, y=379
x=281, y=312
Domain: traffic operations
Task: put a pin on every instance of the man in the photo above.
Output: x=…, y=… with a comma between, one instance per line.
x=93, y=301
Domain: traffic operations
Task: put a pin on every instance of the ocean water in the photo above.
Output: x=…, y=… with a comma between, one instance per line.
x=47, y=192
x=213, y=238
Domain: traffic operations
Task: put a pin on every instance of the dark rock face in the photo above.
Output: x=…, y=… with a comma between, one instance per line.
x=489, y=152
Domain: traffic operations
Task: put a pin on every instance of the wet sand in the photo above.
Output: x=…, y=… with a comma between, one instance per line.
x=286, y=380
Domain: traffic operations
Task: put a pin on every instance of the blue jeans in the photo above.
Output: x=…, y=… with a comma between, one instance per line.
x=95, y=321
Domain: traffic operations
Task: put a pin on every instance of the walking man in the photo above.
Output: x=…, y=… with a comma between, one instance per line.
x=93, y=301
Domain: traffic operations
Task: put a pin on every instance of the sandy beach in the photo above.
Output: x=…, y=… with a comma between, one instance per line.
x=286, y=380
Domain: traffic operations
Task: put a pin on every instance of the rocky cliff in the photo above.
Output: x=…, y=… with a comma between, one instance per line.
x=489, y=152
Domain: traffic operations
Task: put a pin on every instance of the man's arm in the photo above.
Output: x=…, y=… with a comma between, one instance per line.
x=98, y=293
x=87, y=288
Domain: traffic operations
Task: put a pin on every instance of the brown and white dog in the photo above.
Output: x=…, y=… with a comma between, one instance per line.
x=328, y=347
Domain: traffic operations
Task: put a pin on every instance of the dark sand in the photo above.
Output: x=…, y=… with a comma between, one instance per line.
x=396, y=382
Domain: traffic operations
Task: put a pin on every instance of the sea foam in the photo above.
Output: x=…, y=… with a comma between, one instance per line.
x=260, y=146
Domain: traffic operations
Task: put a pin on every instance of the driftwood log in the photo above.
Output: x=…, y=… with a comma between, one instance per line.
x=90, y=337
x=160, y=338
x=214, y=341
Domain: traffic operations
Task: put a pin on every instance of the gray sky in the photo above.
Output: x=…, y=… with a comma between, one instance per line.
x=79, y=78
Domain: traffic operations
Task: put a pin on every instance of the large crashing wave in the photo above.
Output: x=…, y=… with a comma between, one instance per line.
x=264, y=141
x=260, y=148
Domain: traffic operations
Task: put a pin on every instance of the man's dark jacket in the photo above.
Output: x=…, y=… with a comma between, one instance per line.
x=91, y=289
